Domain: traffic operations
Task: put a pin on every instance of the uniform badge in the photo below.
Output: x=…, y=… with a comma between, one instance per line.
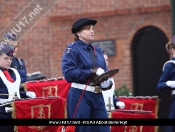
x=68, y=50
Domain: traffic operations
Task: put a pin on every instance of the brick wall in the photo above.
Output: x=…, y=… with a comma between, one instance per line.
x=42, y=47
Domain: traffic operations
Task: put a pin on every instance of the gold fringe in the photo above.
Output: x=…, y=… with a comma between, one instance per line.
x=15, y=129
x=13, y=110
x=65, y=108
x=156, y=128
x=109, y=115
x=157, y=107
x=25, y=86
x=14, y=115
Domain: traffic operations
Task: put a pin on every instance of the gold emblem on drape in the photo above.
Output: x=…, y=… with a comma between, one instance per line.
x=133, y=129
x=50, y=91
x=40, y=112
x=136, y=106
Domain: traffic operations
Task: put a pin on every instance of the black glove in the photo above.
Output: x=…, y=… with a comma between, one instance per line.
x=93, y=72
x=106, y=85
x=21, y=87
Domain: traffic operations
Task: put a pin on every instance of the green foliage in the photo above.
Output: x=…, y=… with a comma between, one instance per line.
x=123, y=91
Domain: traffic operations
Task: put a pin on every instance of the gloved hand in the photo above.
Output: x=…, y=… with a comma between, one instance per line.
x=21, y=87
x=97, y=71
x=105, y=85
x=170, y=84
x=120, y=104
x=31, y=94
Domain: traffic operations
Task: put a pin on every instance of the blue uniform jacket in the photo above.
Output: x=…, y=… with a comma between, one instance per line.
x=76, y=62
x=20, y=67
x=3, y=88
x=168, y=74
x=3, y=114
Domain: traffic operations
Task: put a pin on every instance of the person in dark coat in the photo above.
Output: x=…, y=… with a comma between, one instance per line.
x=81, y=62
x=167, y=80
x=9, y=85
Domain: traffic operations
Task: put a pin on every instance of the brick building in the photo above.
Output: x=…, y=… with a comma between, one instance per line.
x=125, y=21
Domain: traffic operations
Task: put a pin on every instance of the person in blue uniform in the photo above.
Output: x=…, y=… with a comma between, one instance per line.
x=81, y=62
x=17, y=63
x=167, y=80
x=115, y=102
x=9, y=84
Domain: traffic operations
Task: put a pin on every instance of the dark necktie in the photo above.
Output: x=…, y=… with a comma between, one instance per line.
x=12, y=64
x=91, y=53
x=6, y=73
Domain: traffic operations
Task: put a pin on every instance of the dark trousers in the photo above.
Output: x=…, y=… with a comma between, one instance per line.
x=171, y=115
x=91, y=106
x=4, y=115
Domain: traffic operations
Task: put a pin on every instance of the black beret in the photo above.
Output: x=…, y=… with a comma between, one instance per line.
x=7, y=49
x=82, y=22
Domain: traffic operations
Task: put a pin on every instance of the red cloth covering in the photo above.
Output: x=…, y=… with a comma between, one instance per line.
x=6, y=73
x=68, y=129
x=49, y=88
x=47, y=108
x=124, y=115
x=147, y=104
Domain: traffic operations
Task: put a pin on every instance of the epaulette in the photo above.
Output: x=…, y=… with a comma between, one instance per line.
x=170, y=61
x=71, y=44
x=69, y=47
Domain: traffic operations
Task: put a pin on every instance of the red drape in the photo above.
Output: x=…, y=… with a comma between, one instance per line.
x=147, y=104
x=49, y=88
x=124, y=115
x=48, y=108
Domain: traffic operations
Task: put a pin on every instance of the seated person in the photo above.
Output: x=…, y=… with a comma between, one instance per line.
x=111, y=102
x=17, y=63
x=9, y=84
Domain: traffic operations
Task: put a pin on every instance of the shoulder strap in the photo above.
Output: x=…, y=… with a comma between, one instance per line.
x=17, y=63
x=170, y=61
x=20, y=62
